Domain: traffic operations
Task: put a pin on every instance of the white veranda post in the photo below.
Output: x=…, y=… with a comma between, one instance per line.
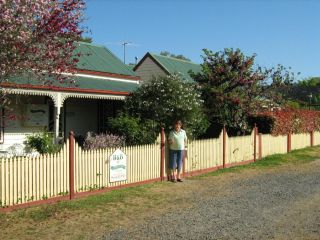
x=56, y=122
x=57, y=98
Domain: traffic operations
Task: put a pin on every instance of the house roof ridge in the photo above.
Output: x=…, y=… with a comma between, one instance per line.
x=175, y=59
x=90, y=44
x=102, y=54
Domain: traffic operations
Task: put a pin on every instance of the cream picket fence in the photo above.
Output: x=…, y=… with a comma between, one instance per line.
x=301, y=140
x=25, y=179
x=203, y=154
x=316, y=138
x=92, y=166
x=240, y=149
x=273, y=144
x=206, y=154
x=28, y=179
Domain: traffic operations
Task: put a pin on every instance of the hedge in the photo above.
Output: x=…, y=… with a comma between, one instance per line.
x=282, y=122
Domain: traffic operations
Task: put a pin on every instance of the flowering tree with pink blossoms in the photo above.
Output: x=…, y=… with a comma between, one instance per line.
x=37, y=37
x=233, y=87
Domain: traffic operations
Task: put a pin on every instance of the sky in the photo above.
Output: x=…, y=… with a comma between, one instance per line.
x=283, y=32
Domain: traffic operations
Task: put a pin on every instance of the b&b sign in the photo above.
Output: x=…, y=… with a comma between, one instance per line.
x=118, y=166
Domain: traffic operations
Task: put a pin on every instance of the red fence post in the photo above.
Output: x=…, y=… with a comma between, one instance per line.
x=71, y=164
x=162, y=154
x=224, y=139
x=289, y=142
x=255, y=132
x=311, y=138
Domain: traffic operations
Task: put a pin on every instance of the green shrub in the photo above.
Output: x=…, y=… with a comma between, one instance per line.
x=135, y=131
x=43, y=143
x=265, y=123
x=165, y=99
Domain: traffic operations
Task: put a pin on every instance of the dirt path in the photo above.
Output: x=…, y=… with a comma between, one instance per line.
x=274, y=203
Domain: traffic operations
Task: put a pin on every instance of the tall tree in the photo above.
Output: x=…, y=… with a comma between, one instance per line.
x=306, y=92
x=310, y=82
x=37, y=37
x=233, y=87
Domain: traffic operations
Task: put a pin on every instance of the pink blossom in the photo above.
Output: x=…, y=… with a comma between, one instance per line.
x=36, y=34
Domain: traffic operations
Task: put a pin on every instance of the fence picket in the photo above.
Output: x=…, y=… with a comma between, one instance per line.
x=80, y=173
x=2, y=196
x=134, y=163
x=15, y=182
x=51, y=175
x=18, y=179
x=66, y=172
x=63, y=168
x=100, y=168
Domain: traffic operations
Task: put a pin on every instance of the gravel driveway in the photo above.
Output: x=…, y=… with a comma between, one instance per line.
x=276, y=203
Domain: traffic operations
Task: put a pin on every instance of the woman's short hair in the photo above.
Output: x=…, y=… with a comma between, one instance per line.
x=178, y=122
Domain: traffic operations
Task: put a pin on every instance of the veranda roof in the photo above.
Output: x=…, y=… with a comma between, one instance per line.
x=98, y=71
x=83, y=83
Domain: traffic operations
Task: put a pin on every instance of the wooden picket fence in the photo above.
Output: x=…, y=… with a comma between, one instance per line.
x=74, y=172
x=92, y=166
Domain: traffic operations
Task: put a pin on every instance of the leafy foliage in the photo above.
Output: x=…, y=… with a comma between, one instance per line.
x=134, y=129
x=285, y=121
x=100, y=141
x=37, y=37
x=306, y=93
x=310, y=82
x=263, y=121
x=43, y=143
x=233, y=87
x=163, y=100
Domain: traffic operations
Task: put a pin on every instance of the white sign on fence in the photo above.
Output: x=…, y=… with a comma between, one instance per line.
x=118, y=166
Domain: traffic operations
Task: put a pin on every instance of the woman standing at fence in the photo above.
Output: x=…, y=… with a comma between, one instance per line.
x=177, y=141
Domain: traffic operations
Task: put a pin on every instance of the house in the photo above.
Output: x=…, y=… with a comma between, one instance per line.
x=157, y=65
x=102, y=82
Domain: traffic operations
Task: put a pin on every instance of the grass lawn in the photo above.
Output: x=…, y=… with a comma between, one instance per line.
x=90, y=217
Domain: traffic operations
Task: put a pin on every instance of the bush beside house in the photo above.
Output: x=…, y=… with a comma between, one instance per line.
x=158, y=104
x=42, y=143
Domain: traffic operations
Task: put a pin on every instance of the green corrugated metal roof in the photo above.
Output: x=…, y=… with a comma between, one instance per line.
x=81, y=83
x=173, y=65
x=93, y=58
x=99, y=58
x=131, y=66
x=104, y=84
